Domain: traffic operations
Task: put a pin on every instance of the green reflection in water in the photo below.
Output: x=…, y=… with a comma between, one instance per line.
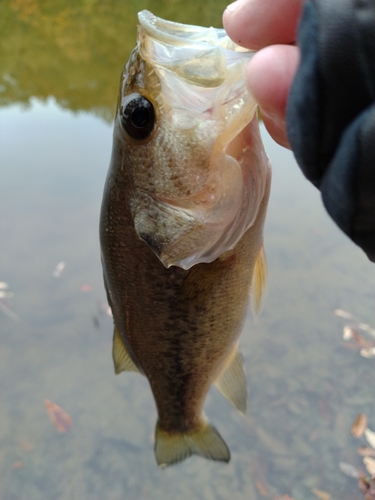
x=75, y=50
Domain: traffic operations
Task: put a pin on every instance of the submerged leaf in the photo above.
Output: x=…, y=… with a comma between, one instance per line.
x=370, y=437
x=61, y=420
x=58, y=269
x=366, y=451
x=262, y=488
x=343, y=314
x=367, y=328
x=26, y=445
x=17, y=465
x=359, y=425
x=370, y=465
x=367, y=486
x=347, y=333
x=349, y=470
x=323, y=495
x=367, y=352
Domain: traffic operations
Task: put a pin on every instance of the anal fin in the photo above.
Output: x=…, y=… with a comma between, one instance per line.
x=172, y=448
x=232, y=381
x=121, y=358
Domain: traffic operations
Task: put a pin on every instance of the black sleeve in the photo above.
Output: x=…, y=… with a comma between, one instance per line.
x=331, y=111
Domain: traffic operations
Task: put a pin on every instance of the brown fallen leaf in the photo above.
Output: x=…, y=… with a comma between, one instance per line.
x=314, y=435
x=366, y=344
x=370, y=465
x=366, y=451
x=26, y=445
x=367, y=486
x=262, y=488
x=59, y=417
x=349, y=333
x=17, y=465
x=323, y=495
x=359, y=425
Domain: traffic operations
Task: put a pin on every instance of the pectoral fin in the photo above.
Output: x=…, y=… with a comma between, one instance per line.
x=232, y=381
x=171, y=448
x=259, y=283
x=121, y=358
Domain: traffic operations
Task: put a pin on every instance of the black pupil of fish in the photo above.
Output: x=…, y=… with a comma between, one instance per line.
x=138, y=118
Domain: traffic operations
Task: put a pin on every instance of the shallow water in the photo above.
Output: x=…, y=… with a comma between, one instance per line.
x=305, y=385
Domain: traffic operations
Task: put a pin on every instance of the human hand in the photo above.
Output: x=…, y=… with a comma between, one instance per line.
x=268, y=26
x=331, y=107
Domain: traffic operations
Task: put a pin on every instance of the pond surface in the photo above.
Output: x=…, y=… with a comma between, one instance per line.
x=60, y=68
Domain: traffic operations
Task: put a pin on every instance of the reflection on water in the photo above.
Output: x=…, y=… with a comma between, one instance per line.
x=305, y=386
x=75, y=51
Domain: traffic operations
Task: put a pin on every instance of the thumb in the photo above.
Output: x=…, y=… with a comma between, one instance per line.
x=269, y=74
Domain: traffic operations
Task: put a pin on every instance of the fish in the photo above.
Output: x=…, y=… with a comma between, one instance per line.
x=181, y=227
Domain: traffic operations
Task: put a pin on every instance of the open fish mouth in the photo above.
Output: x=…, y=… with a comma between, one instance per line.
x=201, y=77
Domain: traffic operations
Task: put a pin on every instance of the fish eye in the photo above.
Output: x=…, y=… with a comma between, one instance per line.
x=138, y=117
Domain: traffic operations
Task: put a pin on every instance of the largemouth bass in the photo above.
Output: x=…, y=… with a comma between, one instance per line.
x=181, y=226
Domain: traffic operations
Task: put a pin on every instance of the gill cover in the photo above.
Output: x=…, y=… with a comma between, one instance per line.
x=205, y=101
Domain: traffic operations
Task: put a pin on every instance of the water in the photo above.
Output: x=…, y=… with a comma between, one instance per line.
x=305, y=386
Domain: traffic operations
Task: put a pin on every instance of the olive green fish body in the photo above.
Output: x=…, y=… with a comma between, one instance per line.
x=181, y=234
x=179, y=326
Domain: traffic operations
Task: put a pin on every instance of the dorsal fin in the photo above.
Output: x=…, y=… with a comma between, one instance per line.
x=121, y=358
x=232, y=381
x=259, y=283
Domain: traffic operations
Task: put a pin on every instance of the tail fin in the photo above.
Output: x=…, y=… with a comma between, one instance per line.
x=171, y=448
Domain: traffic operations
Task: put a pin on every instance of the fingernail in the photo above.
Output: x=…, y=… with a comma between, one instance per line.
x=277, y=120
x=234, y=6
x=276, y=126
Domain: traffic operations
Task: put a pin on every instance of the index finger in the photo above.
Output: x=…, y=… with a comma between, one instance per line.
x=257, y=23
